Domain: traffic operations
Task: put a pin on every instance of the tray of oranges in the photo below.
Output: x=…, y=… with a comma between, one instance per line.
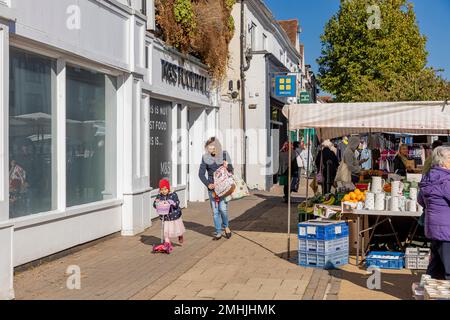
x=354, y=200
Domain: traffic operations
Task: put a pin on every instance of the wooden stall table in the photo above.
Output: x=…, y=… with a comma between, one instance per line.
x=383, y=217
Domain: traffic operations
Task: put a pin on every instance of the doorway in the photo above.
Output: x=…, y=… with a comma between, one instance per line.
x=196, y=129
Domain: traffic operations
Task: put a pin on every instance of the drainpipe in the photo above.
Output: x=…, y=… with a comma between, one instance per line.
x=243, y=100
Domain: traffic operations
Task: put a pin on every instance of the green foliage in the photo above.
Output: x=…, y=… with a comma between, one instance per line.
x=231, y=25
x=184, y=14
x=229, y=4
x=363, y=64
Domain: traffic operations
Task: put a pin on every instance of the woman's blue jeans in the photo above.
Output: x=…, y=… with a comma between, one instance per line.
x=220, y=211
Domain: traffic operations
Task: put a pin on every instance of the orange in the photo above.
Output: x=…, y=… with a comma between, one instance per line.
x=352, y=195
x=347, y=198
x=357, y=191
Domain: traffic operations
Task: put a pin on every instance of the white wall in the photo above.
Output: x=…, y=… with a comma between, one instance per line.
x=258, y=84
x=6, y=261
x=257, y=123
x=6, y=229
x=4, y=111
x=36, y=241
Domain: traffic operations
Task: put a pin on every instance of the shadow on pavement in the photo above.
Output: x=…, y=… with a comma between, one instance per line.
x=392, y=284
x=151, y=240
x=199, y=228
x=269, y=216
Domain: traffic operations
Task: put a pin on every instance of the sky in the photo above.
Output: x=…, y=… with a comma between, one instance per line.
x=433, y=17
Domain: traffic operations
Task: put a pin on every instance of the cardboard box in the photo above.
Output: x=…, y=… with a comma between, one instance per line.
x=351, y=219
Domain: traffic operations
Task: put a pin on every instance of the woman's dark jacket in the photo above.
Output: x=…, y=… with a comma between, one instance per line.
x=399, y=166
x=210, y=165
x=330, y=164
x=175, y=210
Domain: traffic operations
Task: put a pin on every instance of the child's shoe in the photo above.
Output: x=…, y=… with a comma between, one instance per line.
x=181, y=239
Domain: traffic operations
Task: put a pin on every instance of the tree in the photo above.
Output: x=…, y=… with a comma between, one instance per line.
x=362, y=61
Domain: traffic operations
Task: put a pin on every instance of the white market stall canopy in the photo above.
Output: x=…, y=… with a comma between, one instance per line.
x=334, y=120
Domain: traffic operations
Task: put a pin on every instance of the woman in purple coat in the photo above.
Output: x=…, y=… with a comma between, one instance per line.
x=434, y=196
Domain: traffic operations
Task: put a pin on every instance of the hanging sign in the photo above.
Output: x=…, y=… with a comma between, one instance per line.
x=286, y=86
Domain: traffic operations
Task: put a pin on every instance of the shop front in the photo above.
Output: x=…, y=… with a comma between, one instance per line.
x=62, y=130
x=182, y=115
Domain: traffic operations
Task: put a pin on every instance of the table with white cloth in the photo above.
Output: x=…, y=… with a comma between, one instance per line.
x=383, y=217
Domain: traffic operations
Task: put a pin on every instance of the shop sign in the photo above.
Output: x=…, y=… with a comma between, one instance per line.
x=178, y=76
x=305, y=97
x=286, y=86
x=160, y=141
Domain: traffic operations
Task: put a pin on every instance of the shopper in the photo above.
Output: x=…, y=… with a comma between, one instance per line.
x=173, y=223
x=300, y=163
x=350, y=159
x=212, y=160
x=401, y=165
x=428, y=162
x=283, y=170
x=327, y=164
x=434, y=197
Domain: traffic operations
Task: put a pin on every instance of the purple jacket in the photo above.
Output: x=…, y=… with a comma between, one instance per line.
x=434, y=196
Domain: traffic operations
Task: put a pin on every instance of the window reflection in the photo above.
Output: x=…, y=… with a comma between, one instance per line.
x=87, y=139
x=30, y=132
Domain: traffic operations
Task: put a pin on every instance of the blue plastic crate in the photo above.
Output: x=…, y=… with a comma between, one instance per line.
x=385, y=260
x=323, y=261
x=322, y=230
x=324, y=246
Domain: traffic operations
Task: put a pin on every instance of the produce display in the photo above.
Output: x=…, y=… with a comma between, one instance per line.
x=327, y=200
x=355, y=196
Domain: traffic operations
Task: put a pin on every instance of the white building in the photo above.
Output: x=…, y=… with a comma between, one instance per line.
x=88, y=119
x=269, y=51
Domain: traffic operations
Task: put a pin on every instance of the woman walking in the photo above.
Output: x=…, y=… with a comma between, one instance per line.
x=213, y=159
x=434, y=197
x=283, y=170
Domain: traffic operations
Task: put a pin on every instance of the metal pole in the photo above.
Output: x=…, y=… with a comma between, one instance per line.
x=289, y=186
x=307, y=169
x=243, y=91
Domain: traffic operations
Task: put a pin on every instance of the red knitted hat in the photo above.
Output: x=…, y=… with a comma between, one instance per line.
x=164, y=184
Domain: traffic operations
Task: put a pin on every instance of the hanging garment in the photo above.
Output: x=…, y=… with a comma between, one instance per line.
x=366, y=154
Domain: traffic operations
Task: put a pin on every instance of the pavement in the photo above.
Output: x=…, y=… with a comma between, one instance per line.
x=252, y=265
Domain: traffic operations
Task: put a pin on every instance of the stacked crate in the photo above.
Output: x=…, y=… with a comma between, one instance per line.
x=385, y=260
x=323, y=244
x=417, y=258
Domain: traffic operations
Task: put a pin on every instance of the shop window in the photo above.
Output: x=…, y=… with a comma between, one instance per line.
x=32, y=93
x=90, y=133
x=160, y=142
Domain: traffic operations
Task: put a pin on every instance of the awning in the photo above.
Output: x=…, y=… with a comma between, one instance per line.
x=334, y=120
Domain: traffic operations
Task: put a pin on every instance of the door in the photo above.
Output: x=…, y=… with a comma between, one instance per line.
x=197, y=128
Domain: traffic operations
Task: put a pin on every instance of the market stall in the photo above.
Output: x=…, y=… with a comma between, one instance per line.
x=385, y=195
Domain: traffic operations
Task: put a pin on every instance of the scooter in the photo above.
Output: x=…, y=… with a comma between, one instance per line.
x=163, y=247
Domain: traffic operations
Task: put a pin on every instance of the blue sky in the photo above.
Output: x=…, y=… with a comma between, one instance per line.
x=432, y=15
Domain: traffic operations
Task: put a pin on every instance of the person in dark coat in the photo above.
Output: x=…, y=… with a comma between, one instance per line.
x=283, y=170
x=328, y=162
x=434, y=197
x=401, y=166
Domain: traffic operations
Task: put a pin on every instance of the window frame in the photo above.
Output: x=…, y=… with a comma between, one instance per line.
x=61, y=210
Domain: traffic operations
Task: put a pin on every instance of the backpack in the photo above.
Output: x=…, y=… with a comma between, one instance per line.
x=223, y=182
